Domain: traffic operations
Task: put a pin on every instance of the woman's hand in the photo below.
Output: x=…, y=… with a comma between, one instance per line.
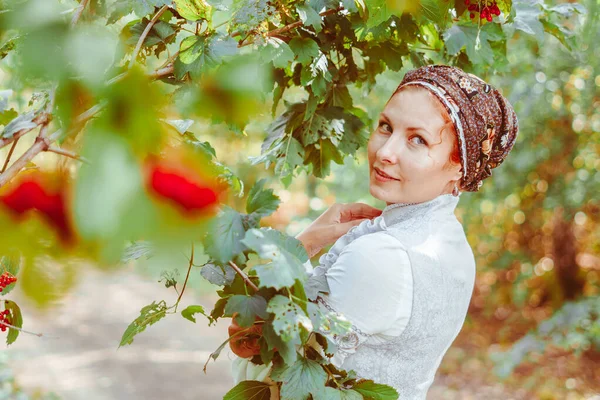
x=245, y=344
x=334, y=223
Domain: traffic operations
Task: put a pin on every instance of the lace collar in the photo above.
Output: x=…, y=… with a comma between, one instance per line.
x=398, y=212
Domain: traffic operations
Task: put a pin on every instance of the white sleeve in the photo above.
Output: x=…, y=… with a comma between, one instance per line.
x=371, y=284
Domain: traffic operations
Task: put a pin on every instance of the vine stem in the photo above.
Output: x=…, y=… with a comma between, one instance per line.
x=145, y=33
x=243, y=275
x=10, y=152
x=78, y=12
x=67, y=153
x=186, y=277
x=39, y=120
x=22, y=330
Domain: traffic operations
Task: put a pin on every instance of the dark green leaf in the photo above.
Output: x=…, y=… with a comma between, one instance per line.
x=223, y=241
x=287, y=350
x=218, y=274
x=12, y=265
x=305, y=49
x=198, y=53
x=277, y=51
x=16, y=319
x=261, y=201
x=249, y=390
x=309, y=17
x=301, y=379
x=247, y=307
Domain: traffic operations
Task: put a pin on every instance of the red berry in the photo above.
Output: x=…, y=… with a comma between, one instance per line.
x=467, y=2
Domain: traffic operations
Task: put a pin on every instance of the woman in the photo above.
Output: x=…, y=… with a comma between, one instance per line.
x=404, y=276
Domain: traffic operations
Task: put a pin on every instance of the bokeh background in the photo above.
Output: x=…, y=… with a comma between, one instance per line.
x=533, y=327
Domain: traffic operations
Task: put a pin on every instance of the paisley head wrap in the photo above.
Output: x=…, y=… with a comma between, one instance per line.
x=485, y=122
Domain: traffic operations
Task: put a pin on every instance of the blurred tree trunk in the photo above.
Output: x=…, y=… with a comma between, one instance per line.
x=565, y=251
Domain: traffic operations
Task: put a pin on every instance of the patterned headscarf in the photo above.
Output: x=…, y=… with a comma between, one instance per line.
x=485, y=122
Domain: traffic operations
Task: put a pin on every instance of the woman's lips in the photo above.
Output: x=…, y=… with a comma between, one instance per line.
x=383, y=178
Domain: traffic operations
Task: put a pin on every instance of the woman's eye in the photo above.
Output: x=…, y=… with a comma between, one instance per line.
x=385, y=126
x=422, y=140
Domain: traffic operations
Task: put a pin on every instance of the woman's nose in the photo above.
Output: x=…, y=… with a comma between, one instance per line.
x=388, y=153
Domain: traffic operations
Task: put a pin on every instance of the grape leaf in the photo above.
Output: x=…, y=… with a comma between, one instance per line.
x=305, y=49
x=198, y=53
x=190, y=311
x=218, y=274
x=261, y=201
x=527, y=19
x=16, y=319
x=287, y=253
x=288, y=317
x=249, y=390
x=193, y=10
x=278, y=51
x=329, y=393
x=149, y=315
x=247, y=307
x=223, y=241
x=459, y=36
x=309, y=17
x=301, y=379
x=375, y=391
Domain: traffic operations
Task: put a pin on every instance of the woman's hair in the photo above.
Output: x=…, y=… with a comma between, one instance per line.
x=455, y=153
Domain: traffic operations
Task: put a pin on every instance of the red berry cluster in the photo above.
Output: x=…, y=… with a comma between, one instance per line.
x=6, y=279
x=5, y=317
x=486, y=8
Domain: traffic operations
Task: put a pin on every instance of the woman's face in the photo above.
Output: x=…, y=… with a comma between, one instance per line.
x=410, y=146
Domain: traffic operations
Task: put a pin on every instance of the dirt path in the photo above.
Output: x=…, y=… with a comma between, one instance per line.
x=164, y=362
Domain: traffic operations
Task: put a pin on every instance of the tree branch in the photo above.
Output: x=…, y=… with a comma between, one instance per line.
x=78, y=12
x=67, y=153
x=22, y=330
x=186, y=277
x=165, y=71
x=42, y=118
x=243, y=275
x=10, y=152
x=145, y=33
x=43, y=142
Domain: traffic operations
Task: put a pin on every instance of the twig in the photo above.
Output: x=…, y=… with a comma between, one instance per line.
x=78, y=12
x=42, y=143
x=67, y=153
x=186, y=277
x=21, y=329
x=159, y=73
x=243, y=275
x=10, y=152
x=145, y=33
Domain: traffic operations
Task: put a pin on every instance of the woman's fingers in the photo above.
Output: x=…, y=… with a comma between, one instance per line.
x=354, y=211
x=343, y=228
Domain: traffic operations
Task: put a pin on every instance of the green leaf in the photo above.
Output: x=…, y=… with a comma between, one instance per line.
x=193, y=10
x=198, y=53
x=287, y=253
x=218, y=274
x=249, y=390
x=327, y=321
x=12, y=265
x=375, y=391
x=309, y=17
x=161, y=32
x=182, y=125
x=145, y=7
x=305, y=49
x=527, y=19
x=277, y=51
x=287, y=350
x=437, y=11
x=190, y=311
x=137, y=250
x=301, y=379
x=465, y=36
x=329, y=393
x=289, y=317
x=249, y=13
x=247, y=307
x=149, y=315
x=224, y=240
x=261, y=201
x=16, y=319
